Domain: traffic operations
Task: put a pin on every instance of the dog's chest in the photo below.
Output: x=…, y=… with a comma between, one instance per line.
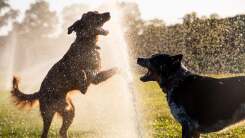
x=87, y=58
x=177, y=111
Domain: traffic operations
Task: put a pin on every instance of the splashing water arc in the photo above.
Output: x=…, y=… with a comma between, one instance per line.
x=9, y=53
x=111, y=103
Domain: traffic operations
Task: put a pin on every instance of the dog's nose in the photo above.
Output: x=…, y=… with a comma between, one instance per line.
x=106, y=16
x=139, y=60
x=142, y=62
x=107, y=13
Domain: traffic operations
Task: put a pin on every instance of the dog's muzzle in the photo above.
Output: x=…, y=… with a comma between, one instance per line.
x=143, y=62
x=104, y=17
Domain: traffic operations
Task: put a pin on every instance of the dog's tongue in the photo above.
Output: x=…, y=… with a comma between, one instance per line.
x=145, y=77
x=105, y=32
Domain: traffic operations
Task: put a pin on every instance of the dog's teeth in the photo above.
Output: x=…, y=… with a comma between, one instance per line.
x=102, y=31
x=106, y=32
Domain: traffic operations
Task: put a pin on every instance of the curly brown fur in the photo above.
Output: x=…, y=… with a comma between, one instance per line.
x=78, y=68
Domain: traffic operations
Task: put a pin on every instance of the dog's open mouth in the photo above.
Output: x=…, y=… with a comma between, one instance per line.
x=146, y=64
x=102, y=31
x=147, y=76
x=104, y=18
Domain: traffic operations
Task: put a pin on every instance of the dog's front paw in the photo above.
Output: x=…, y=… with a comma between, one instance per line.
x=113, y=71
x=110, y=72
x=104, y=75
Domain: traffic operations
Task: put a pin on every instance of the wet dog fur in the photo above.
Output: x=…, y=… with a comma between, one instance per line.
x=200, y=104
x=78, y=68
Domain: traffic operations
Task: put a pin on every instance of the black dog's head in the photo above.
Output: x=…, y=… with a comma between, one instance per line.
x=160, y=67
x=91, y=22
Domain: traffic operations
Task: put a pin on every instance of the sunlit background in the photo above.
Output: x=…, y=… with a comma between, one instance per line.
x=171, y=11
x=33, y=36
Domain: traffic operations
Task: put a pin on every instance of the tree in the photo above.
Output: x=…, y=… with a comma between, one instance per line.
x=131, y=14
x=214, y=16
x=132, y=25
x=38, y=20
x=72, y=13
x=34, y=34
x=6, y=13
x=7, y=16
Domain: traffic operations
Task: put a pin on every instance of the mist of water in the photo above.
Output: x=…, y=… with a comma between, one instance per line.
x=7, y=62
x=111, y=104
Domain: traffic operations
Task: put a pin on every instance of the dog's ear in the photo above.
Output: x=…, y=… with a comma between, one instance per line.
x=71, y=28
x=74, y=26
x=177, y=58
x=79, y=24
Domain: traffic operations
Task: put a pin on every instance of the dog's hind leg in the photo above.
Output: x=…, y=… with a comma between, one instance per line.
x=104, y=75
x=189, y=132
x=67, y=114
x=47, y=116
x=196, y=135
x=186, y=133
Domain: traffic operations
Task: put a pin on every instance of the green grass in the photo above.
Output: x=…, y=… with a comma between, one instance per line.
x=158, y=121
x=16, y=123
x=154, y=111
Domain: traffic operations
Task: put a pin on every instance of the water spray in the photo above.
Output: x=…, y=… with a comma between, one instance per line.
x=11, y=51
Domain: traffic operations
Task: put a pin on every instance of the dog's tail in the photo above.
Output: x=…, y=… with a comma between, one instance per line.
x=23, y=100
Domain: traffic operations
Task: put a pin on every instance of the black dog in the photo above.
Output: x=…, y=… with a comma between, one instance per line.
x=200, y=104
x=79, y=67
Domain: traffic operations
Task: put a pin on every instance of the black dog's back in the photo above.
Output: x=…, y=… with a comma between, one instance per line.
x=209, y=99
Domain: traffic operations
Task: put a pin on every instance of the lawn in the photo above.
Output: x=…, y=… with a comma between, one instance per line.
x=154, y=116
x=16, y=123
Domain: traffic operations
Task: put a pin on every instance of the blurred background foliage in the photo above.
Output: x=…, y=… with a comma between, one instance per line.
x=209, y=44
